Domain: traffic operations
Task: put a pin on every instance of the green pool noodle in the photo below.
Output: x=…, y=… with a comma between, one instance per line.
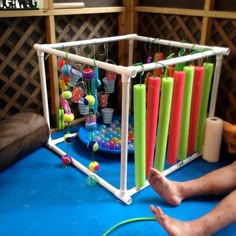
x=185, y=115
x=163, y=123
x=139, y=91
x=206, y=88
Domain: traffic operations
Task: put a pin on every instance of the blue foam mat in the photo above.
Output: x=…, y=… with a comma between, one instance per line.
x=40, y=197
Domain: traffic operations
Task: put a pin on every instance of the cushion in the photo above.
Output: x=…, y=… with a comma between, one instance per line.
x=21, y=134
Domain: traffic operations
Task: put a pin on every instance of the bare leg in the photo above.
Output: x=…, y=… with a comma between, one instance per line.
x=218, y=181
x=221, y=216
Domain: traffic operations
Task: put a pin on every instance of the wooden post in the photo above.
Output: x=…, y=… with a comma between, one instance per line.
x=206, y=23
x=53, y=75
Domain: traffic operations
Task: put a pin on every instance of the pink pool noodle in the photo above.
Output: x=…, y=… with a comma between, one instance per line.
x=195, y=104
x=175, y=117
x=151, y=119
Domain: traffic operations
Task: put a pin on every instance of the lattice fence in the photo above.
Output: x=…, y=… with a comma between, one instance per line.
x=82, y=27
x=19, y=73
x=186, y=28
x=170, y=27
x=224, y=34
x=19, y=78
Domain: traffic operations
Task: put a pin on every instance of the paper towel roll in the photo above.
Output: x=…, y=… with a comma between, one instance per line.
x=212, y=139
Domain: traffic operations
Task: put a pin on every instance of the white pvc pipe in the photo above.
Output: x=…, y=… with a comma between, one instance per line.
x=131, y=52
x=166, y=172
x=43, y=84
x=88, y=61
x=215, y=85
x=68, y=5
x=171, y=43
x=173, y=61
x=123, y=197
x=90, y=41
x=124, y=132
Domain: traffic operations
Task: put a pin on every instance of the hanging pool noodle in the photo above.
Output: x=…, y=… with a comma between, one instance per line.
x=151, y=119
x=139, y=91
x=175, y=117
x=195, y=104
x=206, y=87
x=185, y=116
x=163, y=123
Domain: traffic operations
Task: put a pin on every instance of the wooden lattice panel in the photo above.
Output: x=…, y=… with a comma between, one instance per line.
x=82, y=27
x=224, y=34
x=19, y=77
x=170, y=27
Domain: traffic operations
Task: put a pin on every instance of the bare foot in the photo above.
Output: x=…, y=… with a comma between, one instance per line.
x=165, y=188
x=172, y=226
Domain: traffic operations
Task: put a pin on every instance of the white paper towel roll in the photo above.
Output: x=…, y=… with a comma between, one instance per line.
x=212, y=139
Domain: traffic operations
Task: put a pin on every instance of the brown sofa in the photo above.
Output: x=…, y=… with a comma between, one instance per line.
x=20, y=135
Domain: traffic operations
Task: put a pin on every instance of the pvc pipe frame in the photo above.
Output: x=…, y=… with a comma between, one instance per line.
x=126, y=74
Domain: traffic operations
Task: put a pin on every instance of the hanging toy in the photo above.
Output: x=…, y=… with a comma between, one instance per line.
x=93, y=147
x=66, y=160
x=88, y=73
x=66, y=68
x=61, y=63
x=90, y=122
x=92, y=180
x=89, y=100
x=68, y=139
x=77, y=93
x=94, y=166
x=67, y=95
x=68, y=117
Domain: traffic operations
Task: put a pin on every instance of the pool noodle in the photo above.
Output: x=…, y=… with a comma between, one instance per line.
x=195, y=104
x=206, y=86
x=175, y=117
x=139, y=91
x=151, y=119
x=163, y=123
x=185, y=116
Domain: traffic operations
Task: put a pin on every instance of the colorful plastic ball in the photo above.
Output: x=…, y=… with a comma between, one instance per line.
x=92, y=180
x=91, y=126
x=97, y=138
x=68, y=138
x=66, y=70
x=93, y=146
x=66, y=160
x=102, y=127
x=88, y=73
x=69, y=117
x=117, y=146
x=94, y=166
x=102, y=143
x=89, y=100
x=67, y=94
